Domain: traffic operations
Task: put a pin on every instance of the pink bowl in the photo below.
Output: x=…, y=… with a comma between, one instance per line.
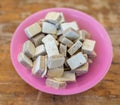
x=97, y=69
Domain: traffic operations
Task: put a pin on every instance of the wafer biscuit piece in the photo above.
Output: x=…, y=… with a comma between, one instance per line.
x=67, y=77
x=56, y=61
x=82, y=69
x=32, y=30
x=55, y=72
x=71, y=34
x=40, y=50
x=37, y=40
x=50, y=45
x=74, y=47
x=51, y=48
x=67, y=25
x=49, y=28
x=48, y=38
x=46, y=69
x=24, y=60
x=76, y=61
x=28, y=49
x=63, y=49
x=88, y=46
x=65, y=41
x=82, y=35
x=55, y=84
x=53, y=17
x=39, y=65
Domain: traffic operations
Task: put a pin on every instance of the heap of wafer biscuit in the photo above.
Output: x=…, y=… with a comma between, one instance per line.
x=57, y=49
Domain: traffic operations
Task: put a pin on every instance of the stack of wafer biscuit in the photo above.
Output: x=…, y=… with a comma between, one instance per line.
x=57, y=49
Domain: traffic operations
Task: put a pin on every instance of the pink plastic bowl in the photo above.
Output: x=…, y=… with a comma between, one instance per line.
x=97, y=69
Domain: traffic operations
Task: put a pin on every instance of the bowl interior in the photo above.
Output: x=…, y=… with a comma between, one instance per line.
x=97, y=69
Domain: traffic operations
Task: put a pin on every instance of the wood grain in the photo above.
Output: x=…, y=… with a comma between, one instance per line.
x=14, y=91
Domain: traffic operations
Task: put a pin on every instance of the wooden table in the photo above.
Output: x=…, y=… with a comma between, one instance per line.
x=14, y=91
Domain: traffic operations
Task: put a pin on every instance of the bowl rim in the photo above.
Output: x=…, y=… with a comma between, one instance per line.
x=76, y=90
